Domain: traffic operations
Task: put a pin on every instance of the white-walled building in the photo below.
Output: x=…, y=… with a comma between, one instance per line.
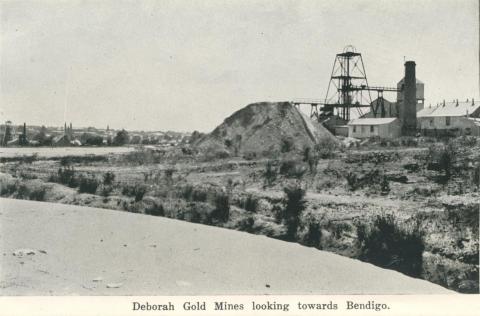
x=452, y=118
x=387, y=127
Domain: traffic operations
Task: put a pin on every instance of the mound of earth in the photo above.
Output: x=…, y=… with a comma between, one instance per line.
x=265, y=127
x=56, y=249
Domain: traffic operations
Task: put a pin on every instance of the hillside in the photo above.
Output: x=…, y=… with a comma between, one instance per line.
x=264, y=127
x=55, y=249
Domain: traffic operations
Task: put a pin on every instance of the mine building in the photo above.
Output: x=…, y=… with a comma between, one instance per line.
x=348, y=109
x=386, y=127
x=450, y=119
x=393, y=119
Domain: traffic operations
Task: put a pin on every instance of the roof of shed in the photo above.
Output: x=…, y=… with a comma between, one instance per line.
x=372, y=121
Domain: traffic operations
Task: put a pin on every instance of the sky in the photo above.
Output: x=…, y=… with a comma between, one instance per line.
x=187, y=65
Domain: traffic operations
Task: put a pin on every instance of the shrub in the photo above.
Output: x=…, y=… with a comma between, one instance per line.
x=270, y=173
x=476, y=176
x=287, y=144
x=372, y=178
x=156, y=209
x=294, y=206
x=106, y=190
x=222, y=207
x=442, y=159
x=169, y=175
x=388, y=245
x=250, y=155
x=467, y=141
x=292, y=168
x=311, y=158
x=352, y=181
x=313, y=236
x=38, y=194
x=187, y=192
x=326, y=148
x=7, y=188
x=136, y=191
x=385, y=185
x=246, y=224
x=199, y=195
x=447, y=159
x=88, y=185
x=250, y=204
x=22, y=191
x=65, y=161
x=65, y=176
x=108, y=178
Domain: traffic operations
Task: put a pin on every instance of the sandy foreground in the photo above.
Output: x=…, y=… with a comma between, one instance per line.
x=55, y=249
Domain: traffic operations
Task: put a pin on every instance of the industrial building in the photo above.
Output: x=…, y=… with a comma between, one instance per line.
x=450, y=119
x=386, y=127
x=349, y=91
x=396, y=119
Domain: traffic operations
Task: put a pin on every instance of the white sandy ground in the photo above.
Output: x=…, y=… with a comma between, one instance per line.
x=87, y=251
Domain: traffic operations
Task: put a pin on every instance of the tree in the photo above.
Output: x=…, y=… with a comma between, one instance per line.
x=121, y=138
x=91, y=139
x=294, y=206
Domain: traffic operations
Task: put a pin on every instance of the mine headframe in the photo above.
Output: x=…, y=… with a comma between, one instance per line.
x=347, y=89
x=344, y=90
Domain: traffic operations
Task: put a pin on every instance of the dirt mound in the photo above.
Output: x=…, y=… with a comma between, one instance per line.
x=265, y=127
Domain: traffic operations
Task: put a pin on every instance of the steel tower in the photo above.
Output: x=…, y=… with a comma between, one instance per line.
x=344, y=90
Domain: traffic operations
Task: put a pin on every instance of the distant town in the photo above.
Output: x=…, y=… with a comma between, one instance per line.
x=13, y=135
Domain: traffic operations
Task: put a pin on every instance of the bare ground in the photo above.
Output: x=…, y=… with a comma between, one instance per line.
x=70, y=250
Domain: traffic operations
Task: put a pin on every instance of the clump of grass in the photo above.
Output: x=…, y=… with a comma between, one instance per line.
x=156, y=209
x=385, y=243
x=136, y=191
x=292, y=168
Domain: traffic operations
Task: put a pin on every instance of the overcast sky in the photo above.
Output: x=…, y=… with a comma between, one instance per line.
x=186, y=65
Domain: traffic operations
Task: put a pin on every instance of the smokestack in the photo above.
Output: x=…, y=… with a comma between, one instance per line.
x=25, y=129
x=409, y=119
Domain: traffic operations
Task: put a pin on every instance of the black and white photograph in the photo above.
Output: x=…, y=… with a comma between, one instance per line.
x=291, y=147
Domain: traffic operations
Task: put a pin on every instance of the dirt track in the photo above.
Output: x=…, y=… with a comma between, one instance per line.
x=86, y=251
